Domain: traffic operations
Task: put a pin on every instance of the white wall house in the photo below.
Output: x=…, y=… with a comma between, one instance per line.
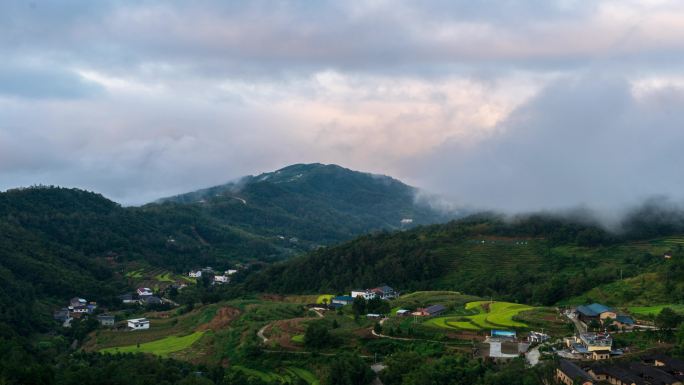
x=195, y=274
x=221, y=279
x=139, y=323
x=145, y=291
x=230, y=272
x=366, y=294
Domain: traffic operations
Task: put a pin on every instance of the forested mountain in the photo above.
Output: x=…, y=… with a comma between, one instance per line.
x=57, y=242
x=315, y=204
x=538, y=259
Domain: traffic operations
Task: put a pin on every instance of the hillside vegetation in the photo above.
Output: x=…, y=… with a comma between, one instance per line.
x=316, y=204
x=537, y=259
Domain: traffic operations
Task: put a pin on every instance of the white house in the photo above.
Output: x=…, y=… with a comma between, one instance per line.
x=383, y=292
x=366, y=294
x=195, y=274
x=144, y=292
x=221, y=279
x=139, y=324
x=230, y=272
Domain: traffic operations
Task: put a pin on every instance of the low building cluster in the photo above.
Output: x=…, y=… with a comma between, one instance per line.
x=217, y=278
x=383, y=292
x=603, y=315
x=138, y=324
x=649, y=370
x=77, y=308
x=142, y=296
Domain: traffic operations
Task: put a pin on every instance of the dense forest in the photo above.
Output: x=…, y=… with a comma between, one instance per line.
x=316, y=204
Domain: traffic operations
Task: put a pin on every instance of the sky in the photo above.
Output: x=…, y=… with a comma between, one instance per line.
x=509, y=105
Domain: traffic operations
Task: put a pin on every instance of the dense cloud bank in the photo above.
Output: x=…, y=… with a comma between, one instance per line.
x=511, y=106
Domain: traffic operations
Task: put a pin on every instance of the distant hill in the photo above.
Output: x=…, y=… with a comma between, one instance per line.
x=56, y=243
x=539, y=259
x=303, y=206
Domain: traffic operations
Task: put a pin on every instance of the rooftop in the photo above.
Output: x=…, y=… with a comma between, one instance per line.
x=593, y=310
x=573, y=371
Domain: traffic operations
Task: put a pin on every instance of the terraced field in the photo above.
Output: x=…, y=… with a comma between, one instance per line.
x=289, y=375
x=483, y=315
x=162, y=347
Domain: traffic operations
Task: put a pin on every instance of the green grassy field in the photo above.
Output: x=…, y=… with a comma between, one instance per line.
x=162, y=347
x=289, y=375
x=299, y=338
x=654, y=310
x=165, y=277
x=326, y=297
x=135, y=274
x=498, y=315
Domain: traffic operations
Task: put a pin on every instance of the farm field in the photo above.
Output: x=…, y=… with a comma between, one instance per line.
x=481, y=315
x=162, y=347
x=288, y=375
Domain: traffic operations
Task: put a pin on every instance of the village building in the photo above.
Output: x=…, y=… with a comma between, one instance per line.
x=144, y=292
x=128, y=298
x=537, y=337
x=430, y=311
x=138, y=324
x=403, y=313
x=596, y=346
x=594, y=312
x=637, y=373
x=230, y=272
x=649, y=371
x=63, y=317
x=221, y=279
x=76, y=302
x=383, y=292
x=195, y=274
x=342, y=300
x=570, y=374
x=106, y=320
x=366, y=294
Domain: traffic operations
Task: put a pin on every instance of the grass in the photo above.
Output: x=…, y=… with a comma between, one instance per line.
x=135, y=274
x=162, y=347
x=654, y=310
x=500, y=315
x=304, y=375
x=166, y=277
x=289, y=376
x=299, y=338
x=326, y=297
x=450, y=299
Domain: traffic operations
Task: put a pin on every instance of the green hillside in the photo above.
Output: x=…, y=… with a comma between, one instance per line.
x=537, y=260
x=316, y=204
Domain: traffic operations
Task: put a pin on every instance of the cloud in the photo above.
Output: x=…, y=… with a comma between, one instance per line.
x=44, y=83
x=493, y=103
x=588, y=139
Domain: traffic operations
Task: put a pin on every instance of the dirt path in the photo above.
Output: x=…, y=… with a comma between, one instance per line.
x=265, y=339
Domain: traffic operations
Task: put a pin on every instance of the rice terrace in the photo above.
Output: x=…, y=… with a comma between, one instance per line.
x=480, y=315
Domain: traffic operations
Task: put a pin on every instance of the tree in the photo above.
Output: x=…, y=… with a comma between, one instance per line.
x=668, y=319
x=316, y=335
x=359, y=306
x=348, y=369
